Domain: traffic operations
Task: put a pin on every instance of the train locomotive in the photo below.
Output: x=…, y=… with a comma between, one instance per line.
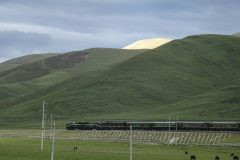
x=163, y=125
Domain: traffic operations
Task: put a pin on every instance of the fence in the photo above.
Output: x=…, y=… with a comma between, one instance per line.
x=160, y=137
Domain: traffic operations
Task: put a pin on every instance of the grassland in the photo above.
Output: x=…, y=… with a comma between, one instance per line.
x=25, y=145
x=195, y=78
x=29, y=149
x=153, y=137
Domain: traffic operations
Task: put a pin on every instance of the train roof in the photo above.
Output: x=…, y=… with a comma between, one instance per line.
x=161, y=122
x=193, y=122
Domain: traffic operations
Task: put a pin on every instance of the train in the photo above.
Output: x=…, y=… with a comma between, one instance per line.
x=160, y=125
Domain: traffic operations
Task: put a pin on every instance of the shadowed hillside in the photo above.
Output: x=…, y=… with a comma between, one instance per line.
x=43, y=67
x=10, y=64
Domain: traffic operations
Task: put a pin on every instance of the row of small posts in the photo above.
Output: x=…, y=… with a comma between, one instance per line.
x=162, y=137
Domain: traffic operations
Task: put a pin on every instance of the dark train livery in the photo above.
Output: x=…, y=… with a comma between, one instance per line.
x=163, y=125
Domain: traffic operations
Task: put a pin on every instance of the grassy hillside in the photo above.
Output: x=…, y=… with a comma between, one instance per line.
x=10, y=64
x=43, y=67
x=14, y=89
x=33, y=75
x=197, y=77
x=84, y=61
x=97, y=60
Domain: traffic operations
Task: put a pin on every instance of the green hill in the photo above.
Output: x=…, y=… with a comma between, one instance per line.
x=237, y=34
x=11, y=90
x=10, y=64
x=31, y=74
x=84, y=61
x=194, y=78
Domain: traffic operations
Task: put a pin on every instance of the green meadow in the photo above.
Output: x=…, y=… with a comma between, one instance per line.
x=29, y=149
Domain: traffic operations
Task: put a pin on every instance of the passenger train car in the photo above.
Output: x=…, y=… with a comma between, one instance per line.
x=163, y=125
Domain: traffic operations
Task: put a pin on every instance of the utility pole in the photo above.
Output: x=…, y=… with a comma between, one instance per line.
x=177, y=123
x=44, y=128
x=169, y=125
x=169, y=128
x=130, y=143
x=51, y=125
x=43, y=124
x=53, y=139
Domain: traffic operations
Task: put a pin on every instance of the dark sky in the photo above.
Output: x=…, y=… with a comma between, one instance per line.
x=36, y=26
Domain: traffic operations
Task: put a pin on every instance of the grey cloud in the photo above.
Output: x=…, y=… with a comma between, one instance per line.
x=15, y=43
x=114, y=23
x=93, y=15
x=23, y=40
